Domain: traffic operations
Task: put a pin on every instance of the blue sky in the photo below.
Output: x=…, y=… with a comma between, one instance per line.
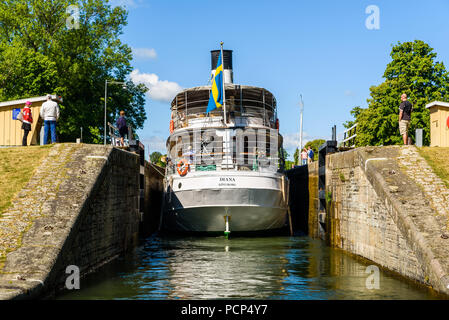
x=320, y=49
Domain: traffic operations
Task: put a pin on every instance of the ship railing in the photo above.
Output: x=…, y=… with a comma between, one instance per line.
x=242, y=163
x=182, y=118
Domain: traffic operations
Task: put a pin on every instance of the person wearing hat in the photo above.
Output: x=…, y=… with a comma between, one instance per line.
x=50, y=114
x=26, y=122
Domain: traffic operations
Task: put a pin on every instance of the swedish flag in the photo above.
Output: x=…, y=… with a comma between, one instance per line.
x=216, y=96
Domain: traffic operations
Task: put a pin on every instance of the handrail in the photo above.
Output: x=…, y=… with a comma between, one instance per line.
x=267, y=118
x=236, y=101
x=115, y=136
x=349, y=141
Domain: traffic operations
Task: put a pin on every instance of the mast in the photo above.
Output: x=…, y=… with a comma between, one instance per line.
x=223, y=83
x=301, y=106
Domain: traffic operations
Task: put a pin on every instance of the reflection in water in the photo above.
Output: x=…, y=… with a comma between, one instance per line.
x=239, y=268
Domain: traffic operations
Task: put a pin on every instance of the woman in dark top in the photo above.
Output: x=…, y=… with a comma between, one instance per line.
x=122, y=127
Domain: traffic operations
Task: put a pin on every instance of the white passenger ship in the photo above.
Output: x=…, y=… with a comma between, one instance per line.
x=224, y=173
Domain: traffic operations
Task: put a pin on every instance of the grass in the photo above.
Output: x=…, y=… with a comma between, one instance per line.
x=438, y=159
x=17, y=165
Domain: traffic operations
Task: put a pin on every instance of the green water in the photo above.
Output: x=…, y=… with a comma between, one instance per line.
x=293, y=268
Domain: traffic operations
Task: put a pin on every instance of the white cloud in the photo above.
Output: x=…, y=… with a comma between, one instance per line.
x=162, y=90
x=291, y=140
x=154, y=143
x=125, y=3
x=145, y=53
x=349, y=93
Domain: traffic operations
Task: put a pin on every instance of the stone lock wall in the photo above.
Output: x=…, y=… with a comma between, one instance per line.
x=379, y=211
x=108, y=224
x=86, y=213
x=315, y=230
x=360, y=222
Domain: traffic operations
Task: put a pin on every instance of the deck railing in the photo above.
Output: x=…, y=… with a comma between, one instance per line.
x=181, y=118
x=243, y=162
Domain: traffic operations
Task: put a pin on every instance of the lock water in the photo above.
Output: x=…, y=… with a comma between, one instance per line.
x=293, y=268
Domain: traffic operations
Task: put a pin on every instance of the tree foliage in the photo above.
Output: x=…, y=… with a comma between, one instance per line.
x=40, y=53
x=414, y=71
x=156, y=158
x=296, y=157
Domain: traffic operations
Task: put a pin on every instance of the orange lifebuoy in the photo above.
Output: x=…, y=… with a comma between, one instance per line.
x=172, y=126
x=183, y=167
x=277, y=124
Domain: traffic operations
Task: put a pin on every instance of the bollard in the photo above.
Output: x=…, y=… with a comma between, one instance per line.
x=418, y=137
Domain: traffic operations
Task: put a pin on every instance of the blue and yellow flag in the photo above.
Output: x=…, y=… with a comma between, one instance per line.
x=216, y=96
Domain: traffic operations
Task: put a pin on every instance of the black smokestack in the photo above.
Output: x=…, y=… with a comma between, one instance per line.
x=227, y=64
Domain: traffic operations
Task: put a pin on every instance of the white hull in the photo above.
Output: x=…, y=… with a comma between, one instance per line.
x=200, y=202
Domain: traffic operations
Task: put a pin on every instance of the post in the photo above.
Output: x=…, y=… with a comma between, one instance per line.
x=418, y=137
x=105, y=106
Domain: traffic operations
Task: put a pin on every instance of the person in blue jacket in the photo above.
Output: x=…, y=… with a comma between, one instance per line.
x=310, y=154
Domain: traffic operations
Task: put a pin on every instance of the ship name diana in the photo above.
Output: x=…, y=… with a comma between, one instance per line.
x=226, y=182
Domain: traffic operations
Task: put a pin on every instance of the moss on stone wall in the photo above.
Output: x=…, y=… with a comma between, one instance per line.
x=17, y=165
x=438, y=159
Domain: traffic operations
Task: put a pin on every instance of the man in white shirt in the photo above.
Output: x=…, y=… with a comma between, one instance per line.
x=50, y=114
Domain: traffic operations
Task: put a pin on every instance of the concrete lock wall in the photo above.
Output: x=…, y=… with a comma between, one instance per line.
x=89, y=216
x=377, y=212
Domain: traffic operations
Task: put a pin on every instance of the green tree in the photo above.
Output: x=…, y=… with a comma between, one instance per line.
x=296, y=157
x=40, y=53
x=156, y=158
x=414, y=71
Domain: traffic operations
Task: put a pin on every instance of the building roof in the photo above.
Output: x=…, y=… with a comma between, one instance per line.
x=34, y=99
x=437, y=103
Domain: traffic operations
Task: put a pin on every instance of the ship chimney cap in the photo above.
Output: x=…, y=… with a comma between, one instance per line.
x=227, y=59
